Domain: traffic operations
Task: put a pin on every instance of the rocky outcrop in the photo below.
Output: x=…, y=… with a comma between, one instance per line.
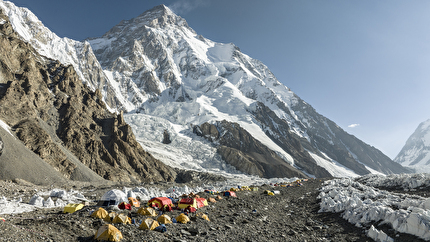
x=239, y=149
x=166, y=137
x=57, y=117
x=1, y=146
x=279, y=131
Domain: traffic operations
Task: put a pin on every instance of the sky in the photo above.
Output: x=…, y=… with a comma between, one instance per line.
x=363, y=64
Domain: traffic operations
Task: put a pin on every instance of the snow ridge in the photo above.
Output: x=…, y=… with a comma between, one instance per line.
x=416, y=152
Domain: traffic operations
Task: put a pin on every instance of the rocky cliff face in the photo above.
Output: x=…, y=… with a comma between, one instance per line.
x=57, y=117
x=238, y=148
x=65, y=50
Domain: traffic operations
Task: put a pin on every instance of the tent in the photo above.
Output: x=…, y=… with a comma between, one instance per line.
x=121, y=219
x=167, y=208
x=203, y=216
x=193, y=202
x=269, y=193
x=254, y=189
x=159, y=202
x=201, y=202
x=210, y=191
x=73, y=207
x=212, y=200
x=164, y=219
x=149, y=223
x=108, y=232
x=134, y=202
x=101, y=213
x=190, y=209
x=230, y=194
x=185, y=202
x=182, y=218
x=124, y=205
x=218, y=197
x=147, y=211
x=112, y=197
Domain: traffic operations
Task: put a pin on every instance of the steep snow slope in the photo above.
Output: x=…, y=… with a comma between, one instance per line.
x=416, y=152
x=164, y=69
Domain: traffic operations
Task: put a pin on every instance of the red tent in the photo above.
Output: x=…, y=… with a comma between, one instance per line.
x=190, y=209
x=230, y=194
x=159, y=202
x=201, y=202
x=193, y=202
x=167, y=208
x=124, y=205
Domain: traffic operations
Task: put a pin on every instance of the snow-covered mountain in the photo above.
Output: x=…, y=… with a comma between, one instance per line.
x=67, y=51
x=416, y=152
x=223, y=111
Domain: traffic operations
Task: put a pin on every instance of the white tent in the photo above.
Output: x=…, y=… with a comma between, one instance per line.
x=113, y=197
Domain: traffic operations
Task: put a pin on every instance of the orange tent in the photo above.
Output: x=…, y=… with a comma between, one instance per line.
x=133, y=201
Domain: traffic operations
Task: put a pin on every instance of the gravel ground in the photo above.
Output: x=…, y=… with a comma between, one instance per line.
x=291, y=215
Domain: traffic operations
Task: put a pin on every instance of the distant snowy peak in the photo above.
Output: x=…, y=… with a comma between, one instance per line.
x=416, y=152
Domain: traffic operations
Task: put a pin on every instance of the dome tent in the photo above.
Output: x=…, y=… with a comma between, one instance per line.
x=112, y=197
x=108, y=232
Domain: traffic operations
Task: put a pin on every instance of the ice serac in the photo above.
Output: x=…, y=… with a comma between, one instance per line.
x=164, y=69
x=416, y=152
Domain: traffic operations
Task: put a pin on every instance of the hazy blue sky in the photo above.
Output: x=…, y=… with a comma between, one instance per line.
x=363, y=64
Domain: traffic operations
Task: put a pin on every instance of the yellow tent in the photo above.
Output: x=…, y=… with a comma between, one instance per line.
x=147, y=211
x=73, y=207
x=121, y=219
x=101, y=213
x=182, y=218
x=108, y=232
x=111, y=216
x=149, y=223
x=193, y=202
x=164, y=219
x=203, y=216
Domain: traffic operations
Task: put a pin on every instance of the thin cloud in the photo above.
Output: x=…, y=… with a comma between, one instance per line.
x=186, y=6
x=353, y=125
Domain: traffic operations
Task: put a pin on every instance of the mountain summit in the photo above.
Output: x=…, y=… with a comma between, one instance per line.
x=165, y=69
x=416, y=152
x=221, y=110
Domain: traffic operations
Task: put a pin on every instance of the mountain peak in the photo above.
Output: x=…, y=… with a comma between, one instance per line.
x=158, y=17
x=159, y=11
x=416, y=152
